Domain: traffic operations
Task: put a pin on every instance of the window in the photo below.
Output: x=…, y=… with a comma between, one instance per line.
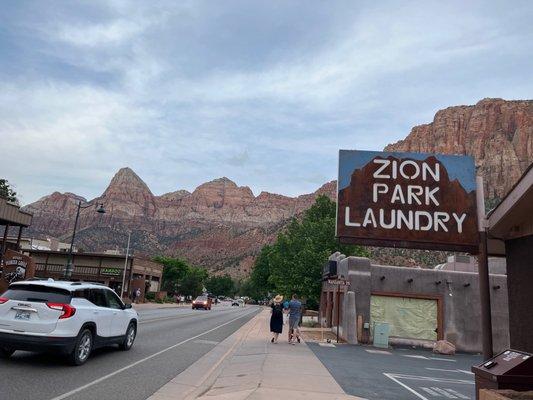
x=98, y=297
x=36, y=293
x=113, y=300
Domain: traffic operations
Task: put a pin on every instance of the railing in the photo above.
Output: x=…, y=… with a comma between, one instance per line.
x=42, y=269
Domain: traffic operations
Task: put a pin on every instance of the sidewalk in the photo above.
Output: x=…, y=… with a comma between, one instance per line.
x=247, y=366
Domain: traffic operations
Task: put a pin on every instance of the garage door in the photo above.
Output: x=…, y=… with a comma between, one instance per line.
x=408, y=317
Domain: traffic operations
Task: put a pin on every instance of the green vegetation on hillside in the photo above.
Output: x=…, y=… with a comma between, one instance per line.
x=293, y=264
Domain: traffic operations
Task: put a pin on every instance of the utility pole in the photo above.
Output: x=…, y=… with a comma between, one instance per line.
x=125, y=267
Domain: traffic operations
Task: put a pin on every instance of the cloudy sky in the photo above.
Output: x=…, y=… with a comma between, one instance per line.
x=263, y=92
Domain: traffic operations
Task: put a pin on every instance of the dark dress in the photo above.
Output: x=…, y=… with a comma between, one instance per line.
x=276, y=319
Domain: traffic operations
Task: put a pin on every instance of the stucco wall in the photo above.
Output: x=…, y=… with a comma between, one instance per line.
x=461, y=311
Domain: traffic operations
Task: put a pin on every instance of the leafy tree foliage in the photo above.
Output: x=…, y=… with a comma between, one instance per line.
x=220, y=285
x=192, y=283
x=7, y=192
x=174, y=270
x=293, y=264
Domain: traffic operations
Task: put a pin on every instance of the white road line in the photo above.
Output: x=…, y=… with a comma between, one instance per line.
x=432, y=379
x=466, y=372
x=443, y=392
x=442, y=359
x=391, y=377
x=379, y=352
x=118, y=371
x=460, y=395
x=431, y=392
x=413, y=356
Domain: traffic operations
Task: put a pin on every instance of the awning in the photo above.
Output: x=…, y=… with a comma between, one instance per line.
x=12, y=214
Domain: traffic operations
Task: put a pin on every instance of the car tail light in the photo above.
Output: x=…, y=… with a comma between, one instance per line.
x=3, y=300
x=67, y=309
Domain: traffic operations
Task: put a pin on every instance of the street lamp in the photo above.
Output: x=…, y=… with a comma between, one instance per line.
x=100, y=210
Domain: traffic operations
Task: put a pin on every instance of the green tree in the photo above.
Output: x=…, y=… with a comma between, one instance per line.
x=192, y=283
x=174, y=270
x=220, y=285
x=293, y=264
x=7, y=192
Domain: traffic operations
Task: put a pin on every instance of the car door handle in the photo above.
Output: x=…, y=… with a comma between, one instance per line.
x=95, y=312
x=114, y=313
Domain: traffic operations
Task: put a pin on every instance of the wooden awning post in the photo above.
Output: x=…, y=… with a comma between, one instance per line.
x=483, y=270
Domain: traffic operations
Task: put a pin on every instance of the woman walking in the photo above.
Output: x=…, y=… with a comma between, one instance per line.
x=276, y=319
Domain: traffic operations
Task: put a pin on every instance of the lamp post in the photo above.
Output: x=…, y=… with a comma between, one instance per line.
x=69, y=267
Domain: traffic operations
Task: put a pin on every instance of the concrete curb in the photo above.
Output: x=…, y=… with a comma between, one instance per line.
x=200, y=376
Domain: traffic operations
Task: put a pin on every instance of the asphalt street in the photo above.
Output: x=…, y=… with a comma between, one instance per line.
x=168, y=341
x=399, y=374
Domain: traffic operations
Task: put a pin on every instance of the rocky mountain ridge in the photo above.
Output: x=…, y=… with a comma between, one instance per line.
x=223, y=226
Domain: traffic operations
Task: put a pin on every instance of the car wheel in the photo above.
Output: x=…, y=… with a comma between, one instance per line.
x=5, y=352
x=82, y=349
x=131, y=333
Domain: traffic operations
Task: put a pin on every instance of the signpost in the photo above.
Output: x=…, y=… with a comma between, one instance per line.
x=412, y=200
x=338, y=283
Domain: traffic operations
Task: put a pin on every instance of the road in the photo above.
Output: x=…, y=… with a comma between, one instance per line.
x=399, y=374
x=169, y=340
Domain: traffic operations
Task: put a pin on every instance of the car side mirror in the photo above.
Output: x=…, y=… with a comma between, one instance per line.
x=126, y=306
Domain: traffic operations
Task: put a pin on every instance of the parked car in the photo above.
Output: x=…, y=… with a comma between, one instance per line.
x=72, y=317
x=203, y=302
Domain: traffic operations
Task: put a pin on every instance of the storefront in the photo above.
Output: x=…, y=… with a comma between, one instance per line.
x=13, y=264
x=107, y=269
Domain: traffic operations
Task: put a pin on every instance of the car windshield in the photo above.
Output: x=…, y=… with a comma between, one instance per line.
x=35, y=293
x=201, y=298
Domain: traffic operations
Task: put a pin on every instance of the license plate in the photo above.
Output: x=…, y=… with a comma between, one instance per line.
x=24, y=315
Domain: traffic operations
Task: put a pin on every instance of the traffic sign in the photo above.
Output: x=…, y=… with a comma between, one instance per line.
x=340, y=282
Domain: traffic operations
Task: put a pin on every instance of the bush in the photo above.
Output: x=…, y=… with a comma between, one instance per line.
x=150, y=296
x=159, y=301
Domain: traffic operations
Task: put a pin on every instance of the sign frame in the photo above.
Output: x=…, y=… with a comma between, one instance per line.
x=354, y=164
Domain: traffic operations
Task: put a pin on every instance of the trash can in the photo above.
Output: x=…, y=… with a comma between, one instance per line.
x=511, y=369
x=381, y=335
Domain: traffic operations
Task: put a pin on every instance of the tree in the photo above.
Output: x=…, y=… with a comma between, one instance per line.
x=7, y=192
x=192, y=283
x=293, y=264
x=174, y=270
x=220, y=285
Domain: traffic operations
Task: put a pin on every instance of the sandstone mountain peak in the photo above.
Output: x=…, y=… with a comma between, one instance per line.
x=497, y=133
x=126, y=176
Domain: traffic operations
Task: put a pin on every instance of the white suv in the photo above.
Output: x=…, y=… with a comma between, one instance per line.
x=72, y=317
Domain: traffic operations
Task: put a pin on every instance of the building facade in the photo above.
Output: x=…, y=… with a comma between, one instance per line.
x=420, y=305
x=108, y=269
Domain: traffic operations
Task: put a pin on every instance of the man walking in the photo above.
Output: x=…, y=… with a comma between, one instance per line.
x=295, y=313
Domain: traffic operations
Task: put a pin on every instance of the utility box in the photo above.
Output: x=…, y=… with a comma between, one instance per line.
x=511, y=369
x=381, y=335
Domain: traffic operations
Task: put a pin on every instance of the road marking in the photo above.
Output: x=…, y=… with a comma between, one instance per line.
x=413, y=356
x=432, y=379
x=379, y=352
x=326, y=344
x=466, y=372
x=118, y=371
x=430, y=392
x=459, y=371
x=460, y=395
x=206, y=341
x=443, y=392
x=391, y=377
x=442, y=359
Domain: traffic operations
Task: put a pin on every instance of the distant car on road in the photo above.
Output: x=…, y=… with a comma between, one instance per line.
x=238, y=303
x=203, y=302
x=72, y=317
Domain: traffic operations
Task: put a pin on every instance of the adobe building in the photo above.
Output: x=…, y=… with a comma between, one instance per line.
x=420, y=305
x=510, y=233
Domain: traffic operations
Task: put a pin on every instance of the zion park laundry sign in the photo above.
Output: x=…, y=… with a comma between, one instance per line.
x=413, y=200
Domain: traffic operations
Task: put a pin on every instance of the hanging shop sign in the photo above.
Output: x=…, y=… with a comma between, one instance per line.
x=411, y=200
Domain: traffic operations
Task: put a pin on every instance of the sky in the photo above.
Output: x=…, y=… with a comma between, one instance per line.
x=262, y=92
